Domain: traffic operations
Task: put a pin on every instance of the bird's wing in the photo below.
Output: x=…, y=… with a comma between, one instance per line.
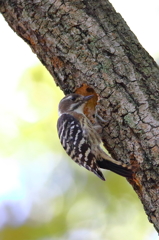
x=76, y=144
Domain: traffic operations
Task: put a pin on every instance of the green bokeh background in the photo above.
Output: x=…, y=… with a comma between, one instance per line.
x=54, y=198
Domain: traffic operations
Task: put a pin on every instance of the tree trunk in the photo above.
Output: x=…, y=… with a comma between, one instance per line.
x=87, y=42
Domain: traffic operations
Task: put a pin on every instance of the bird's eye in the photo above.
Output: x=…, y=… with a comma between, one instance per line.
x=73, y=98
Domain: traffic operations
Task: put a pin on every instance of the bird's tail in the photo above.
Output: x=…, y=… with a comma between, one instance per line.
x=122, y=170
x=106, y=162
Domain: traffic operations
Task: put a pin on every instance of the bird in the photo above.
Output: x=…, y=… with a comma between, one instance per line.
x=81, y=140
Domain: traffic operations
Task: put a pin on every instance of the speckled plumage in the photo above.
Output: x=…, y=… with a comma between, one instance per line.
x=80, y=139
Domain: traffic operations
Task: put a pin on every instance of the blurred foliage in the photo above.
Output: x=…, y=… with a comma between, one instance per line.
x=55, y=198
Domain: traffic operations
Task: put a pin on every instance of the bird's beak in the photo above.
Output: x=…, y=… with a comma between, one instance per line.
x=86, y=98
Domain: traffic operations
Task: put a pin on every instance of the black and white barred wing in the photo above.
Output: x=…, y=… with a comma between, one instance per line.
x=75, y=143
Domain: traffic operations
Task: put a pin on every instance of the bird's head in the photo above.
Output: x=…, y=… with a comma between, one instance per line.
x=73, y=102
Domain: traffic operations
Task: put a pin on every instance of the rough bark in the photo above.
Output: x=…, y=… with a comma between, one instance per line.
x=88, y=42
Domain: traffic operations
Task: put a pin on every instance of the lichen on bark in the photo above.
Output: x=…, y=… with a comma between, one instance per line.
x=87, y=42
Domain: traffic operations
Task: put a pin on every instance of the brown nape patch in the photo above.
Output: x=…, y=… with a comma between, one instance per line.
x=89, y=109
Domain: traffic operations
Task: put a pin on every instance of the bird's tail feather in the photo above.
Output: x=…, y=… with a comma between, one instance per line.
x=119, y=169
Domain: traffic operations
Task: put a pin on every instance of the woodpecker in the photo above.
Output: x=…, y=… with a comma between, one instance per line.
x=81, y=140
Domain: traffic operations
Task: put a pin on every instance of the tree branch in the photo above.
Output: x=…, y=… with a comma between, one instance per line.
x=88, y=42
